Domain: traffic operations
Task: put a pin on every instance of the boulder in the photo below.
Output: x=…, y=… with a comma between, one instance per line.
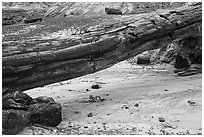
x=19, y=110
x=14, y=121
x=181, y=62
x=46, y=114
x=113, y=11
x=16, y=100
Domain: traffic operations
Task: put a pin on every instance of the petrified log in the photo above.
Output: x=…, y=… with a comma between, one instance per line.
x=36, y=62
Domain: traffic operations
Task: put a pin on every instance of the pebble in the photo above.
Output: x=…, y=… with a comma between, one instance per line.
x=87, y=90
x=95, y=86
x=125, y=107
x=161, y=119
x=191, y=102
x=90, y=115
x=136, y=105
x=77, y=112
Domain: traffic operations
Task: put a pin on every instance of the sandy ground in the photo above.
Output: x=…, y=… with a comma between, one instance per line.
x=135, y=99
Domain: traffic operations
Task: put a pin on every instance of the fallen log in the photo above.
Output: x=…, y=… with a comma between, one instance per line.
x=36, y=62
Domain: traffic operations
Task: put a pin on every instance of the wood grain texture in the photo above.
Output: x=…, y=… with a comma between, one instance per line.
x=37, y=62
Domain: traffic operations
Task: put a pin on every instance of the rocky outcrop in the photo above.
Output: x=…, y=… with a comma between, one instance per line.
x=20, y=110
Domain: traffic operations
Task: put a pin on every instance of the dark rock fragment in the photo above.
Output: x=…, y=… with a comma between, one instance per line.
x=33, y=20
x=136, y=105
x=96, y=86
x=86, y=127
x=113, y=11
x=161, y=119
x=90, y=115
x=125, y=107
x=191, y=102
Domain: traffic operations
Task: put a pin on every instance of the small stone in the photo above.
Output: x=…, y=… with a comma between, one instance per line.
x=152, y=116
x=77, y=112
x=96, y=86
x=136, y=105
x=125, y=107
x=90, y=115
x=191, y=102
x=161, y=119
x=166, y=90
x=85, y=126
